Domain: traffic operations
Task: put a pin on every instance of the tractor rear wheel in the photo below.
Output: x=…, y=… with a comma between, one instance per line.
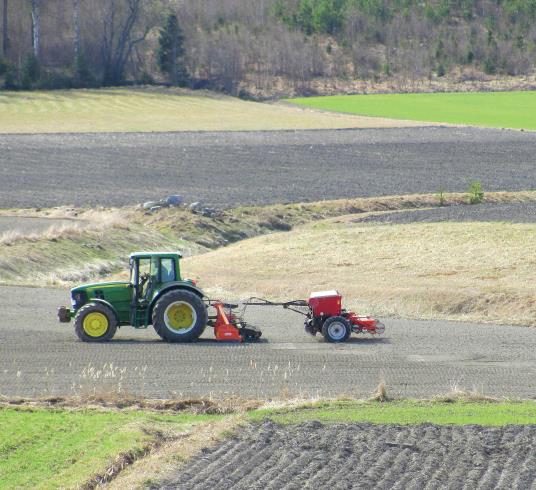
x=95, y=322
x=180, y=316
x=336, y=329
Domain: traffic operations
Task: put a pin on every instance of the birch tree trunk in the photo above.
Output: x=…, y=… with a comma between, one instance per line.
x=36, y=27
x=76, y=25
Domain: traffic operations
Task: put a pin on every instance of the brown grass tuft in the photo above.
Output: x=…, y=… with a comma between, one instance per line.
x=380, y=394
x=457, y=394
x=112, y=400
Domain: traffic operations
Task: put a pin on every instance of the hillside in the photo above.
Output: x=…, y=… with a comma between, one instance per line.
x=272, y=47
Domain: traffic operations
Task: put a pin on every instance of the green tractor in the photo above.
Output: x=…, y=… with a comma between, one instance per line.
x=155, y=295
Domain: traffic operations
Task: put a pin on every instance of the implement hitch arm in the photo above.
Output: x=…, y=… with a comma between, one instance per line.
x=288, y=305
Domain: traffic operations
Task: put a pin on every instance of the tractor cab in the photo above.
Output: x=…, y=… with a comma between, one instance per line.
x=150, y=272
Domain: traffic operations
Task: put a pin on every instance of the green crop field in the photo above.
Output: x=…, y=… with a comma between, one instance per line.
x=492, y=109
x=63, y=448
x=406, y=412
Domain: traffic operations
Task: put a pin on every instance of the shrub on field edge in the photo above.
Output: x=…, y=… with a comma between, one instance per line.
x=10, y=81
x=476, y=194
x=4, y=66
x=441, y=196
x=83, y=78
x=146, y=78
x=30, y=72
x=8, y=71
x=51, y=80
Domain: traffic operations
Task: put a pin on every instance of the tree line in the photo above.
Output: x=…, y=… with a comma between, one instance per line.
x=242, y=45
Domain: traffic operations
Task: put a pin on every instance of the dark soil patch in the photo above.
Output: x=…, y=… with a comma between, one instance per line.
x=364, y=456
x=233, y=168
x=511, y=213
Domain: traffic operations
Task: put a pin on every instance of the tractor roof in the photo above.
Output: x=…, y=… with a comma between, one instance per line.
x=148, y=255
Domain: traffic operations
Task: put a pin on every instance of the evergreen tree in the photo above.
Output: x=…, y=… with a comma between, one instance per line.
x=171, y=51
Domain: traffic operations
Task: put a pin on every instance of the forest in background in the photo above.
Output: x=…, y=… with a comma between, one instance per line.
x=259, y=46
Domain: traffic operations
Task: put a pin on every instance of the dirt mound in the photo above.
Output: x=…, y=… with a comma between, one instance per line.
x=313, y=455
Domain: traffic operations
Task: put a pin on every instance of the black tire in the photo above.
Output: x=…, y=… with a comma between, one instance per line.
x=336, y=329
x=88, y=333
x=163, y=322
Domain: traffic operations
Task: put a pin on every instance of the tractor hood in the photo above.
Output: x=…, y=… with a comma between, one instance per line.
x=115, y=293
x=100, y=285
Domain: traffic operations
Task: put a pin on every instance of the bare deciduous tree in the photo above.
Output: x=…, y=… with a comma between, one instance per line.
x=120, y=36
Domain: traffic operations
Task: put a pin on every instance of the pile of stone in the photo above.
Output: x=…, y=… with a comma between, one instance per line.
x=176, y=201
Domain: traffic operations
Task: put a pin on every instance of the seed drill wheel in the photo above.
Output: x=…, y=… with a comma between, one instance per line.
x=95, y=322
x=180, y=316
x=336, y=329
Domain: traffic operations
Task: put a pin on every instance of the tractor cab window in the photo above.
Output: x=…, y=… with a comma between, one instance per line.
x=167, y=270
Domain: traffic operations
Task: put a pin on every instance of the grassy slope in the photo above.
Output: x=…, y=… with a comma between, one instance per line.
x=406, y=412
x=493, y=109
x=57, y=448
x=100, y=245
x=463, y=271
x=155, y=110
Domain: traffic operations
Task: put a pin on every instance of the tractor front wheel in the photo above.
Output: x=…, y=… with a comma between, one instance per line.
x=95, y=322
x=336, y=329
x=180, y=316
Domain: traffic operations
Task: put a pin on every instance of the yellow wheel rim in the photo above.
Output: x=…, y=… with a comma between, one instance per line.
x=180, y=316
x=95, y=324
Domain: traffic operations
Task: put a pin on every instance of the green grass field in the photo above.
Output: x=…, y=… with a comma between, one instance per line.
x=406, y=412
x=64, y=448
x=492, y=109
x=152, y=110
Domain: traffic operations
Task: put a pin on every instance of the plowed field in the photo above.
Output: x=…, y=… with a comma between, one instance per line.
x=364, y=456
x=229, y=169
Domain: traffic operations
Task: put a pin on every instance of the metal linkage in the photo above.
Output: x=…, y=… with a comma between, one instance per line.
x=288, y=305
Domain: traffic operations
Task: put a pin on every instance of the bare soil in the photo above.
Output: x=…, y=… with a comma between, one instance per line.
x=227, y=169
x=364, y=456
x=41, y=357
x=509, y=213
